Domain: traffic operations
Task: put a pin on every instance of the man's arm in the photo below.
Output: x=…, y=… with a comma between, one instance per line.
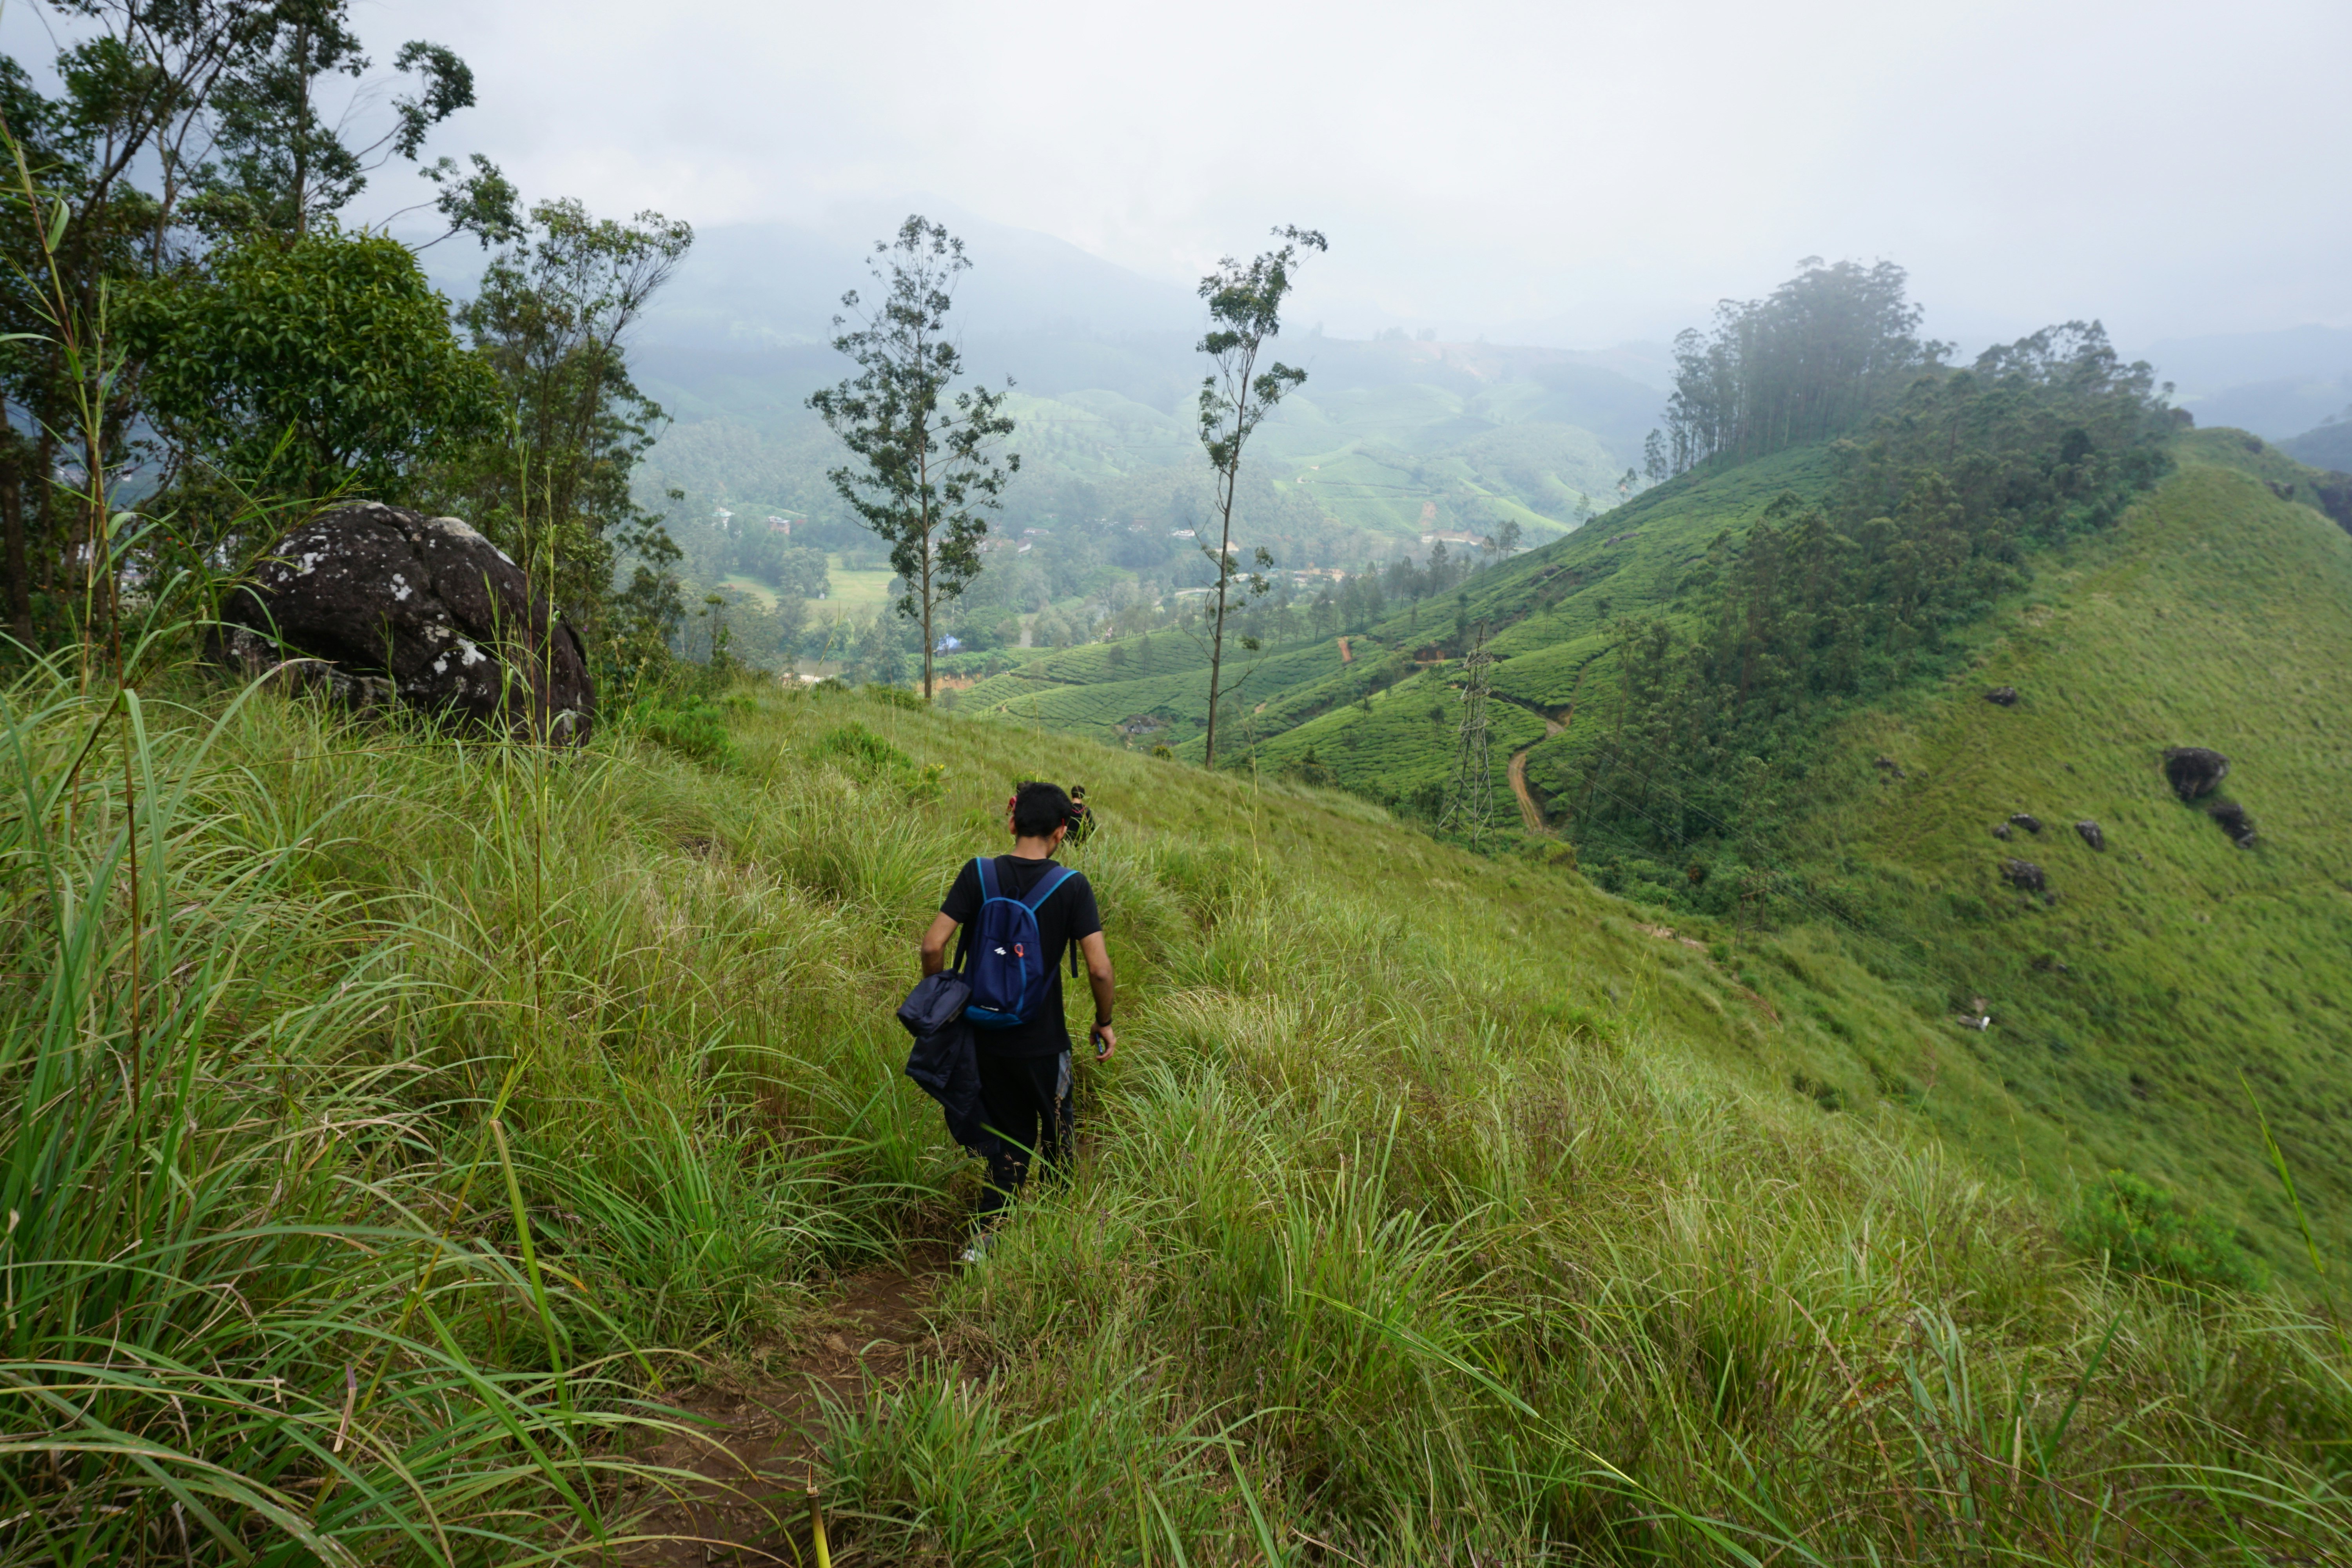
x=935, y=945
x=1098, y=954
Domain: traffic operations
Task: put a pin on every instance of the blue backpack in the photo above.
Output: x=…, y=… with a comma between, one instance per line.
x=1005, y=956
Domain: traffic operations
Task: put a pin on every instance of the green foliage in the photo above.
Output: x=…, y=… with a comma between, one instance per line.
x=1309, y=769
x=691, y=726
x=2134, y=1224
x=183, y=133
x=862, y=748
x=554, y=304
x=311, y=365
x=1244, y=314
x=1931, y=517
x=867, y=756
x=278, y=166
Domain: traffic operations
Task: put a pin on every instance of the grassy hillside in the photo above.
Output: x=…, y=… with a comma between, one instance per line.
x=2178, y=978
x=1430, y=1202
x=2219, y=613
x=1549, y=607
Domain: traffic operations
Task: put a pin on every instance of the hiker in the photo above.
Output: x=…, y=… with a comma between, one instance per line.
x=1021, y=1039
x=1082, y=819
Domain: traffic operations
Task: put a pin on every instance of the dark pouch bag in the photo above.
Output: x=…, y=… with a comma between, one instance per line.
x=945, y=1060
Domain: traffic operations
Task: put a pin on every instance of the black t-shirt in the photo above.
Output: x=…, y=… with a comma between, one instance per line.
x=1067, y=915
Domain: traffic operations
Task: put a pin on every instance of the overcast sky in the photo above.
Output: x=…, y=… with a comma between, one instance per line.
x=1600, y=171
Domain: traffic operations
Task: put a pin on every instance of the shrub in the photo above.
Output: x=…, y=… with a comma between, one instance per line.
x=1309, y=769
x=864, y=751
x=2139, y=1226
x=872, y=758
x=693, y=727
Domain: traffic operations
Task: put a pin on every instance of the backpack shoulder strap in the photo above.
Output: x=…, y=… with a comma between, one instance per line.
x=1045, y=886
x=987, y=869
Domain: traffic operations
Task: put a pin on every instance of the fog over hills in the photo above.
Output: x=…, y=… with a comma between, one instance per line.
x=2275, y=384
x=1104, y=359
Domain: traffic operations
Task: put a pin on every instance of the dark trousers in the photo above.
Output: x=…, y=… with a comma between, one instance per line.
x=1028, y=1102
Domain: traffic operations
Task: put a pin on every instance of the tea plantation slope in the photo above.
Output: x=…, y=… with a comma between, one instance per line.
x=1366, y=712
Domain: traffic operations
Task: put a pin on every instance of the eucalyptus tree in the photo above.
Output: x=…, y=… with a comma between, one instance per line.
x=1818, y=357
x=926, y=470
x=556, y=303
x=1244, y=316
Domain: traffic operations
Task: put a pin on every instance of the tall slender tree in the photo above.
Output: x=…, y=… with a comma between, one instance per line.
x=926, y=470
x=552, y=317
x=1245, y=315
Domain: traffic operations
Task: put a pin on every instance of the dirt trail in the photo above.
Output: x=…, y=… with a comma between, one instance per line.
x=1530, y=812
x=760, y=1442
x=1555, y=723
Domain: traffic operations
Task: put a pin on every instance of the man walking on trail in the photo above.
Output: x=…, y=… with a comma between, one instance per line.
x=1024, y=1055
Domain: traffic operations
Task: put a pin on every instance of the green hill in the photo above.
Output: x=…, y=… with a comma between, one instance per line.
x=1432, y=1201
x=2327, y=445
x=2179, y=977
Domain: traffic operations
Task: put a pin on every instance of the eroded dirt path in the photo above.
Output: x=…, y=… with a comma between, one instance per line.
x=1556, y=722
x=1530, y=812
x=758, y=1446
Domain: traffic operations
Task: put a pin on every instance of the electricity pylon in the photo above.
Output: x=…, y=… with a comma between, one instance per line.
x=1471, y=807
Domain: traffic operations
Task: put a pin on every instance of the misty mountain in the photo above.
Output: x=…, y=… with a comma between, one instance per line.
x=771, y=285
x=1389, y=437
x=2275, y=384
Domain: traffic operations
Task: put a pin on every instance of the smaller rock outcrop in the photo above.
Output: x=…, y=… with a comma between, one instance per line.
x=2025, y=876
x=2234, y=820
x=2194, y=772
x=2091, y=833
x=2027, y=820
x=2002, y=830
x=2002, y=697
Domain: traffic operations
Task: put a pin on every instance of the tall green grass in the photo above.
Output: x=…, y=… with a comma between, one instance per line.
x=1425, y=1214
x=379, y=1101
x=238, y=1298
x=470, y=1101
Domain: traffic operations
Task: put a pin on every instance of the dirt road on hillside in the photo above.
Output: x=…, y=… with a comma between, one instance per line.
x=1530, y=812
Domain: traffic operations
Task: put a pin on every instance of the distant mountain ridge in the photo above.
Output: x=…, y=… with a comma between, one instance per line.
x=2275, y=384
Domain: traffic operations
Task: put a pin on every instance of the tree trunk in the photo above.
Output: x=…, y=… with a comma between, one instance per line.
x=927, y=619
x=12, y=525
x=1217, y=633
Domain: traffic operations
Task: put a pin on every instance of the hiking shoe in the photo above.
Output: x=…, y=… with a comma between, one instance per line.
x=978, y=1251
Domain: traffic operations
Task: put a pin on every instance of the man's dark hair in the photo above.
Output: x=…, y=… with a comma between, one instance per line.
x=1038, y=809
